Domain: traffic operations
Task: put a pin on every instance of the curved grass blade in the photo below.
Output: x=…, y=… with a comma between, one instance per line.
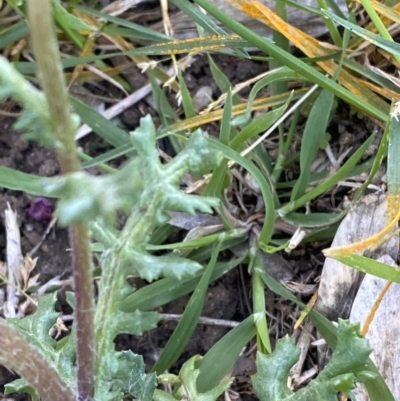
x=370, y=266
x=99, y=124
x=283, y=74
x=268, y=226
x=187, y=101
x=313, y=135
x=220, y=359
x=19, y=181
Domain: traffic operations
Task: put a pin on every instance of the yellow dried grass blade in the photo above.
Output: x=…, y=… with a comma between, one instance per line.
x=216, y=115
x=375, y=307
x=86, y=51
x=306, y=311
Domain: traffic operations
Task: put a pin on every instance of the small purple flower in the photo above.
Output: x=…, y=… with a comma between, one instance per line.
x=41, y=209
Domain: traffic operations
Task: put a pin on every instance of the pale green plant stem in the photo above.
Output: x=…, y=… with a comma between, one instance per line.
x=378, y=23
x=51, y=78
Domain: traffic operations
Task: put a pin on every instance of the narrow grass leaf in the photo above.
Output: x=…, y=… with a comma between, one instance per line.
x=166, y=290
x=14, y=33
x=186, y=326
x=377, y=40
x=204, y=253
x=221, y=358
x=370, y=266
x=377, y=162
x=100, y=125
x=137, y=31
x=198, y=242
x=384, y=10
x=187, y=101
x=282, y=74
x=19, y=181
x=69, y=20
x=312, y=139
x=202, y=44
x=313, y=220
x=225, y=130
x=110, y=155
x=393, y=163
x=259, y=307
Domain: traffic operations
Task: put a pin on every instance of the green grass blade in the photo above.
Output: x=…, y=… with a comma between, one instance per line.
x=204, y=43
x=198, y=242
x=259, y=308
x=377, y=40
x=137, y=31
x=225, y=130
x=220, y=178
x=100, y=125
x=186, y=326
x=220, y=359
x=313, y=136
x=370, y=266
x=393, y=165
x=68, y=20
x=166, y=290
x=313, y=220
x=14, y=33
x=283, y=74
x=187, y=101
x=110, y=155
x=19, y=181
